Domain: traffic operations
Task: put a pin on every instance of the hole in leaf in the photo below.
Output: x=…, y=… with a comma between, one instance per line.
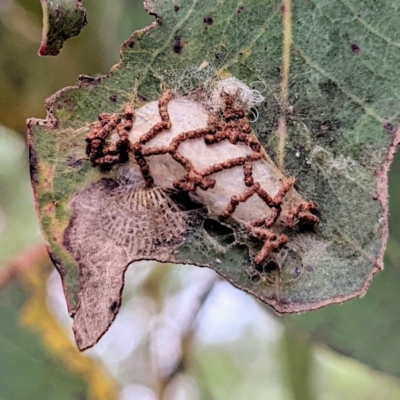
x=220, y=232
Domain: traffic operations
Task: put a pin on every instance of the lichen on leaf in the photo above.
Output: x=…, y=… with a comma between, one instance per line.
x=62, y=20
x=107, y=198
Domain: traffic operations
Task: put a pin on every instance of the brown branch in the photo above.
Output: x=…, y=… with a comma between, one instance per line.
x=22, y=263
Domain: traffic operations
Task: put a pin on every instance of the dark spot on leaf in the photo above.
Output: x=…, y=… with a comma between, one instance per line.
x=329, y=87
x=131, y=44
x=307, y=225
x=106, y=167
x=157, y=17
x=208, y=20
x=222, y=233
x=142, y=97
x=269, y=268
x=217, y=56
x=369, y=98
x=255, y=278
x=240, y=9
x=355, y=49
x=309, y=268
x=375, y=197
x=74, y=163
x=283, y=9
x=266, y=48
x=178, y=46
x=358, y=15
x=114, y=306
x=272, y=266
x=327, y=127
x=59, y=265
x=388, y=126
x=185, y=202
x=259, y=268
x=176, y=8
x=86, y=80
x=324, y=131
x=113, y=98
x=89, y=274
x=33, y=166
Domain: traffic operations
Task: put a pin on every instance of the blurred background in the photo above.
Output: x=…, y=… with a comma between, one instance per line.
x=182, y=333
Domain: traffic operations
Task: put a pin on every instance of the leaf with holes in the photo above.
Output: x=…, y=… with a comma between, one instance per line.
x=161, y=159
x=62, y=20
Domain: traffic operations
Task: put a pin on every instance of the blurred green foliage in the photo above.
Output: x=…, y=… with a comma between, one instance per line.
x=38, y=360
x=16, y=197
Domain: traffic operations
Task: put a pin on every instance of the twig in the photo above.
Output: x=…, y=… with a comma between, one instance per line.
x=22, y=263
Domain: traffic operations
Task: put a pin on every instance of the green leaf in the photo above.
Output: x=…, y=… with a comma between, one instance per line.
x=62, y=20
x=329, y=119
x=366, y=329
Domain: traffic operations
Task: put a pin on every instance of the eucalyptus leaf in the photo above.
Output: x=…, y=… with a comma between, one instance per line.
x=365, y=329
x=62, y=20
x=328, y=75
